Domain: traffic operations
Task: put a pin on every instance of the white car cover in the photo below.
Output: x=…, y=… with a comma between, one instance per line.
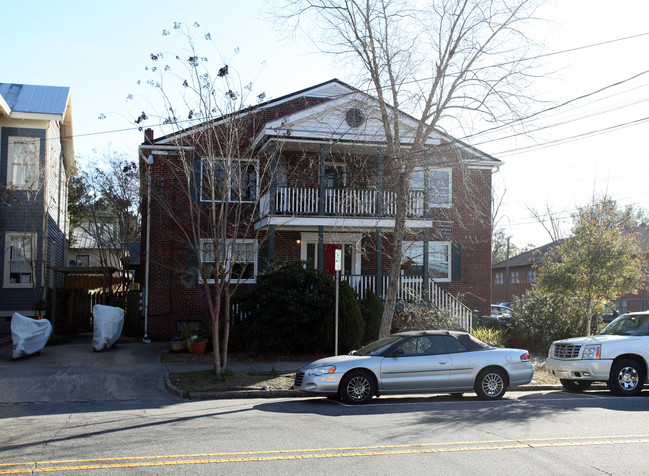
x=28, y=335
x=107, y=326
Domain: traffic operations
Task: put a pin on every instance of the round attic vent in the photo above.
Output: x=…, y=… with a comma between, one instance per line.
x=354, y=117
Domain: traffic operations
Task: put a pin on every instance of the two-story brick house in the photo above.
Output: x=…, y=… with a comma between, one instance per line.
x=36, y=160
x=321, y=182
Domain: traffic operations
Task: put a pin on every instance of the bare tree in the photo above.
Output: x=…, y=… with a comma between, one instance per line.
x=551, y=221
x=212, y=177
x=439, y=61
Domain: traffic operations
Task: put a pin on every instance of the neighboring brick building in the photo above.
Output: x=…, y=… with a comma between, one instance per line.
x=316, y=180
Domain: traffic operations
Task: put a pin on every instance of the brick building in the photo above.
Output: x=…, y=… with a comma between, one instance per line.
x=311, y=177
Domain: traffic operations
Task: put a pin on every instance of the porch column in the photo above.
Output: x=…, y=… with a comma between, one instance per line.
x=271, y=241
x=321, y=201
x=273, y=179
x=379, y=184
x=321, y=248
x=379, y=256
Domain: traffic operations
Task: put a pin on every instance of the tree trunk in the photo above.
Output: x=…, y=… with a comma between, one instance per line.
x=397, y=251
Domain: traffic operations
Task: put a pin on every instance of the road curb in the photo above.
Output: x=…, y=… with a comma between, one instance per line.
x=285, y=393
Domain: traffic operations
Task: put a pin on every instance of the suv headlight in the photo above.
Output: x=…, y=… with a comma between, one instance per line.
x=592, y=352
x=327, y=369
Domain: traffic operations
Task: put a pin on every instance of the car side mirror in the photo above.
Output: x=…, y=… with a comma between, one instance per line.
x=398, y=352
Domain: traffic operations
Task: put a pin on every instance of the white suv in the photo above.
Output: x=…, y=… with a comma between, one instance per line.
x=618, y=356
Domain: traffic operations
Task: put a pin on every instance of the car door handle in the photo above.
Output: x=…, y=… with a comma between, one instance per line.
x=443, y=362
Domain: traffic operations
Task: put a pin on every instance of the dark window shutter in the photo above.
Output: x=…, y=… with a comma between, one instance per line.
x=456, y=261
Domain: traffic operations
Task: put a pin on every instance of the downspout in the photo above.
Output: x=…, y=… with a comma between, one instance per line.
x=149, y=162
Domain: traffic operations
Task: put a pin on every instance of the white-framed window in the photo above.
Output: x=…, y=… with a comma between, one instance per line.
x=499, y=278
x=438, y=183
x=240, y=258
x=231, y=180
x=23, y=155
x=514, y=277
x=18, y=262
x=439, y=259
x=531, y=276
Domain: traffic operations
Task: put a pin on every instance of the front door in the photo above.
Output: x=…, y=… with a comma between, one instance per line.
x=329, y=259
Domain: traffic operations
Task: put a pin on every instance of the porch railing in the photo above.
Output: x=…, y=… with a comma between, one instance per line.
x=338, y=202
x=411, y=290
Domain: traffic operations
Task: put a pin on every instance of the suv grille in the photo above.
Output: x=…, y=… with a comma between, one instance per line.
x=566, y=351
x=299, y=376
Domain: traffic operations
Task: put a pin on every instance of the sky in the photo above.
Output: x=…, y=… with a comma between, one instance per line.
x=590, y=147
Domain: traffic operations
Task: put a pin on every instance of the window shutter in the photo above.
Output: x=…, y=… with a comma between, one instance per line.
x=456, y=261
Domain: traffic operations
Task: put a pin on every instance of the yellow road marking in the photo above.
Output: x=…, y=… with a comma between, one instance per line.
x=320, y=453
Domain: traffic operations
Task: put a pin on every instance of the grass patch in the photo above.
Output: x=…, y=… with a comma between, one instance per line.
x=208, y=381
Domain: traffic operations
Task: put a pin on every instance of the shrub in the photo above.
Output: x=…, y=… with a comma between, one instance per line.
x=350, y=323
x=539, y=318
x=421, y=316
x=372, y=311
x=489, y=335
x=285, y=310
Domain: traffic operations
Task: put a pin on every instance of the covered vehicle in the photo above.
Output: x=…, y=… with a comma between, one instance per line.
x=28, y=335
x=417, y=362
x=107, y=326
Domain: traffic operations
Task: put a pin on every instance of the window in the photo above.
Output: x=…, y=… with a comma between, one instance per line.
x=82, y=260
x=22, y=164
x=19, y=270
x=235, y=180
x=499, y=278
x=241, y=259
x=439, y=260
x=423, y=345
x=437, y=182
x=334, y=175
x=513, y=277
x=531, y=276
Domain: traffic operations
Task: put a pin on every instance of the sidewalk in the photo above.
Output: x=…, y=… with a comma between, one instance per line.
x=73, y=372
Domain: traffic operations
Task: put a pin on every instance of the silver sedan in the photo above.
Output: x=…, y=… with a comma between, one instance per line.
x=417, y=362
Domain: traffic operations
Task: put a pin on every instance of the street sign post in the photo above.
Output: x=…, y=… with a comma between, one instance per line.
x=337, y=267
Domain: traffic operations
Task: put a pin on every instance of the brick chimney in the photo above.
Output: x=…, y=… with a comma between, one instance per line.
x=148, y=136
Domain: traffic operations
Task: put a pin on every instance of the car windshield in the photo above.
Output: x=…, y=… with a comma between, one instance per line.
x=628, y=325
x=378, y=346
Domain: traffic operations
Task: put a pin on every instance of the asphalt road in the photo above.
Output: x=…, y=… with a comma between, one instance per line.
x=544, y=432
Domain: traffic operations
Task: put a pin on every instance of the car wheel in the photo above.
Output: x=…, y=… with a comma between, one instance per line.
x=490, y=384
x=575, y=385
x=627, y=378
x=356, y=387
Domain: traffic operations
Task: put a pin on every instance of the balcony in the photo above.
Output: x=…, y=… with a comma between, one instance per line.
x=339, y=202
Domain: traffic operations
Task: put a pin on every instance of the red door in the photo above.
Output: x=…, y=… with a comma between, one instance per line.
x=329, y=259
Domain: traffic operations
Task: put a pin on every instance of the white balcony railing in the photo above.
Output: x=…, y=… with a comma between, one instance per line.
x=338, y=202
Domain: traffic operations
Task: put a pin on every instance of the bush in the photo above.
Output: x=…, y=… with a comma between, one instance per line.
x=489, y=335
x=372, y=311
x=285, y=310
x=421, y=316
x=350, y=323
x=540, y=318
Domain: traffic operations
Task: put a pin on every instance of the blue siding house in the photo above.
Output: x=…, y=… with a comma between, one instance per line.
x=36, y=161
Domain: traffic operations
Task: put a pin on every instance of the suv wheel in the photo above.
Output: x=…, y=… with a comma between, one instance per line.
x=627, y=378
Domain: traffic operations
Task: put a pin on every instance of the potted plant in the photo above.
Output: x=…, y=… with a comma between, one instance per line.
x=197, y=344
x=178, y=344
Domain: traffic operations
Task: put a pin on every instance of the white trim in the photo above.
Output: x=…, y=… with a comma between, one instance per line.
x=34, y=252
x=5, y=107
x=34, y=142
x=333, y=238
x=368, y=223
